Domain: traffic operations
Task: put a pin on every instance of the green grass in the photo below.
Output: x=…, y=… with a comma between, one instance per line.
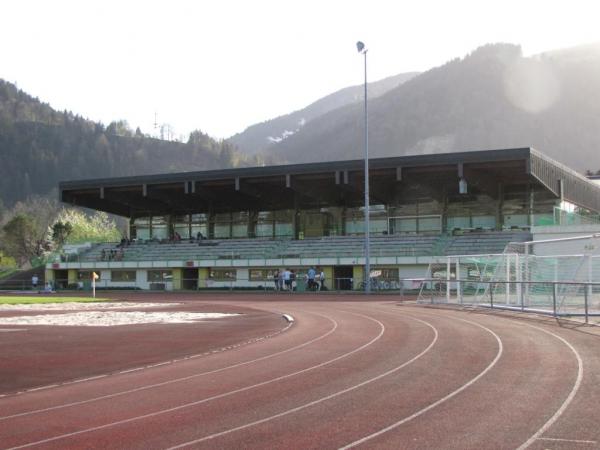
x=17, y=300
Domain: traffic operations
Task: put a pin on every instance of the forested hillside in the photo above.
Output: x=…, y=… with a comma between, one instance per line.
x=40, y=146
x=492, y=98
x=261, y=136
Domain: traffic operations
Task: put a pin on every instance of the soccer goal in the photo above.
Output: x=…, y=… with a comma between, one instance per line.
x=561, y=276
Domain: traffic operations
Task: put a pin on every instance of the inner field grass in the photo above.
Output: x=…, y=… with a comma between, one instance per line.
x=19, y=300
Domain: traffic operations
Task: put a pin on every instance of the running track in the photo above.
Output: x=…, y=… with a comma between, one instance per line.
x=345, y=374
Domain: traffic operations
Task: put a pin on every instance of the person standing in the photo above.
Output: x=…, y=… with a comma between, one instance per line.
x=312, y=273
x=292, y=280
x=34, y=281
x=321, y=278
x=287, y=279
x=276, y=279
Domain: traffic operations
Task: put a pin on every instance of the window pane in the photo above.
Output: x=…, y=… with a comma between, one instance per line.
x=223, y=274
x=160, y=275
x=123, y=275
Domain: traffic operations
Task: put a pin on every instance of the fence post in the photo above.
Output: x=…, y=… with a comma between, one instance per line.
x=431, y=289
x=554, y=299
x=521, y=288
x=491, y=289
x=586, y=296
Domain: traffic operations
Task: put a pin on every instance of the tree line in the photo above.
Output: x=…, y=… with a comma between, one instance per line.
x=35, y=230
x=41, y=146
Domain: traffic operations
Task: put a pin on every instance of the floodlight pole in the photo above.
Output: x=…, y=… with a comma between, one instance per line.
x=361, y=49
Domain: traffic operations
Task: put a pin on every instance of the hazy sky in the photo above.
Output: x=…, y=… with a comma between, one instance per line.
x=222, y=65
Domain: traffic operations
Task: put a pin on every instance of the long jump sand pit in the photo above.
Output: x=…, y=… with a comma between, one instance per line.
x=55, y=343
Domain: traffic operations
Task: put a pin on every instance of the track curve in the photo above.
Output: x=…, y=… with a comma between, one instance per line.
x=370, y=374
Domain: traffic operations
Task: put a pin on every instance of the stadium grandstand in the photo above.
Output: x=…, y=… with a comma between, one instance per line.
x=238, y=227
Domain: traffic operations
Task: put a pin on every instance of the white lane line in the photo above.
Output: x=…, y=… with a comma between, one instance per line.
x=576, y=441
x=8, y=330
x=89, y=378
x=569, y=398
x=172, y=361
x=440, y=401
x=208, y=399
x=175, y=380
x=135, y=369
x=322, y=399
x=43, y=387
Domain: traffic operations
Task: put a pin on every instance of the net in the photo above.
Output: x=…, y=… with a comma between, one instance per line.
x=561, y=275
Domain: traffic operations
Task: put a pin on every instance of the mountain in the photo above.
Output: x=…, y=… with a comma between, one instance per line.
x=40, y=146
x=263, y=135
x=492, y=98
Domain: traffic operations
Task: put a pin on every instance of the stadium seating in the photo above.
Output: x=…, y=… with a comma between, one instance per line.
x=325, y=247
x=484, y=242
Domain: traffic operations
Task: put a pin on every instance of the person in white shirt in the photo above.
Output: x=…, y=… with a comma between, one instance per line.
x=287, y=279
x=321, y=278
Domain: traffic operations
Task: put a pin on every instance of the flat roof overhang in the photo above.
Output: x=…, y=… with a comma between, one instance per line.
x=317, y=185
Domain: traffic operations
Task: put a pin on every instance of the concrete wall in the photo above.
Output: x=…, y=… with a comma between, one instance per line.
x=585, y=246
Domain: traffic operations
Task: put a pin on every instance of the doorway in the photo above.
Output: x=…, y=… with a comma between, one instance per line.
x=343, y=278
x=190, y=279
x=61, y=279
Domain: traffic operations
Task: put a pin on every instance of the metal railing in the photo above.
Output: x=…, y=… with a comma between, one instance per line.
x=299, y=284
x=557, y=298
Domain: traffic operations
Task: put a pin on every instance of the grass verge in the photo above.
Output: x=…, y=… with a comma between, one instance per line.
x=20, y=300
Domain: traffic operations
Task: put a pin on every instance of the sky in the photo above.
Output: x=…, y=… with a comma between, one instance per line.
x=220, y=66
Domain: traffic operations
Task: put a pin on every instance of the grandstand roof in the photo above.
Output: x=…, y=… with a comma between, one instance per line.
x=335, y=183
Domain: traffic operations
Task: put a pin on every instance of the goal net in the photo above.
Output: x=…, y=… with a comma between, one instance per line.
x=558, y=275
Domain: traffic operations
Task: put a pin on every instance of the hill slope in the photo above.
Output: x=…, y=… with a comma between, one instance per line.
x=40, y=146
x=492, y=98
x=263, y=135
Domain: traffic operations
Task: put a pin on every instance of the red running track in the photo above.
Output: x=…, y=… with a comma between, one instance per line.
x=370, y=374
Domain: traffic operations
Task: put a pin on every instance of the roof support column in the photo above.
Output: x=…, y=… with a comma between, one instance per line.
x=211, y=222
x=252, y=223
x=500, y=207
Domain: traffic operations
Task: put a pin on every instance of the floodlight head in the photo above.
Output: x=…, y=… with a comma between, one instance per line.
x=360, y=46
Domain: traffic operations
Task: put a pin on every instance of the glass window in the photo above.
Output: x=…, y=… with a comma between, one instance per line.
x=222, y=274
x=430, y=224
x=159, y=276
x=284, y=230
x=283, y=222
x=459, y=222
x=488, y=222
x=142, y=227
x=389, y=273
x=159, y=227
x=406, y=225
x=262, y=274
x=264, y=229
x=87, y=275
x=516, y=220
x=123, y=275
x=239, y=230
x=181, y=225
x=222, y=231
